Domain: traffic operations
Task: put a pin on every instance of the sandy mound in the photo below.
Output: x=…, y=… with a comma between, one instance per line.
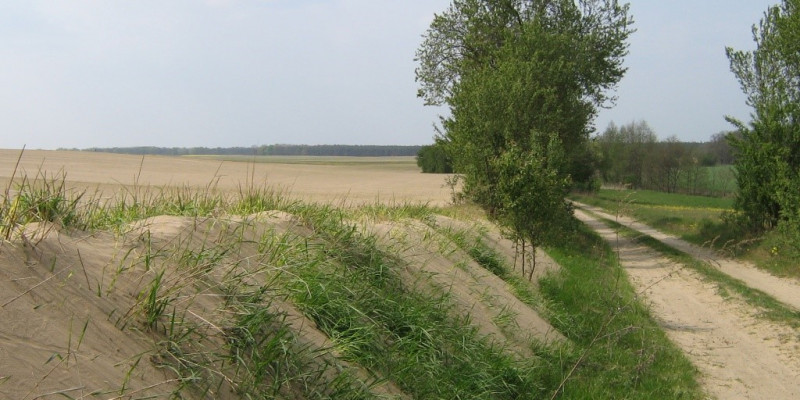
x=436, y=264
x=135, y=313
x=491, y=235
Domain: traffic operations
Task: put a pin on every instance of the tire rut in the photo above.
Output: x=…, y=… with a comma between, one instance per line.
x=785, y=290
x=739, y=355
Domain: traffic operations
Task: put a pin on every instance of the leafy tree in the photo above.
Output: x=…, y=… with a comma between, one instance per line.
x=625, y=153
x=768, y=149
x=667, y=164
x=720, y=148
x=434, y=159
x=523, y=80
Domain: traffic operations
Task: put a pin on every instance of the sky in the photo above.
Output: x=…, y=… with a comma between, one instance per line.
x=224, y=73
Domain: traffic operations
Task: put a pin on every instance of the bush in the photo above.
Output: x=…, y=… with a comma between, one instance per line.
x=433, y=159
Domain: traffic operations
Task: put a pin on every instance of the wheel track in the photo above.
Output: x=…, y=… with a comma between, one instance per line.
x=785, y=290
x=739, y=355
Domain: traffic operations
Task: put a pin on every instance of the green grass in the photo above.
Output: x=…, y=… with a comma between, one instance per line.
x=350, y=290
x=620, y=350
x=624, y=351
x=717, y=181
x=656, y=199
x=771, y=308
x=340, y=279
x=695, y=218
x=702, y=221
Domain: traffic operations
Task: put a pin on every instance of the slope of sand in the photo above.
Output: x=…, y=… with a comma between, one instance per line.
x=74, y=305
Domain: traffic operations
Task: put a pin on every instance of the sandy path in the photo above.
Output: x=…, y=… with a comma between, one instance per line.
x=785, y=290
x=739, y=355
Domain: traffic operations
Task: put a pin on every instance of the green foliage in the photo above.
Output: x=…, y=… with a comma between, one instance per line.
x=47, y=199
x=434, y=159
x=632, y=156
x=705, y=221
x=625, y=152
x=352, y=291
x=528, y=178
x=523, y=80
x=768, y=150
x=625, y=354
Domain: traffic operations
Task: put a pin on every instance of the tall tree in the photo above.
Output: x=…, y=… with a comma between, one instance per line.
x=768, y=149
x=626, y=152
x=523, y=80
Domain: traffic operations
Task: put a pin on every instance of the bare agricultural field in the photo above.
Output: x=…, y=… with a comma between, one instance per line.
x=341, y=180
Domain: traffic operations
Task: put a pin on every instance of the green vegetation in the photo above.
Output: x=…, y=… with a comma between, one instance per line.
x=694, y=218
x=594, y=304
x=335, y=275
x=612, y=199
x=619, y=349
x=433, y=159
x=772, y=309
x=705, y=221
x=768, y=151
x=631, y=156
x=523, y=81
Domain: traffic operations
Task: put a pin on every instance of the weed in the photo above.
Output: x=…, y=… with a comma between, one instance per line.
x=154, y=303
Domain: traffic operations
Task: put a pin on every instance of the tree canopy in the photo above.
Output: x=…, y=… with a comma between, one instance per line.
x=768, y=149
x=523, y=80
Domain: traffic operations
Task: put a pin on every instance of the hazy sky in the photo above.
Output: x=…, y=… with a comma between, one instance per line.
x=240, y=73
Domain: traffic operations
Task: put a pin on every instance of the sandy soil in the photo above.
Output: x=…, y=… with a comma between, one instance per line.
x=436, y=264
x=71, y=303
x=785, y=290
x=739, y=355
x=321, y=183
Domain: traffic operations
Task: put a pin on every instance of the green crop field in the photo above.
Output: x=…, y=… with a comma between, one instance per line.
x=719, y=181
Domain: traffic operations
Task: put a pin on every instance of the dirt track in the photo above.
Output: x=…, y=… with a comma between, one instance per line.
x=739, y=354
x=785, y=290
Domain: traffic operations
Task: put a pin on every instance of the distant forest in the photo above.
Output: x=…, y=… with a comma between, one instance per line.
x=270, y=150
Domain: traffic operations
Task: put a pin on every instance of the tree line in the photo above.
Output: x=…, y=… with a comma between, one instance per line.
x=271, y=150
x=632, y=156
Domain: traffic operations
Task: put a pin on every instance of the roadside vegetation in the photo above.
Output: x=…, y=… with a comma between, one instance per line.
x=726, y=285
x=761, y=222
x=704, y=221
x=260, y=297
x=631, y=156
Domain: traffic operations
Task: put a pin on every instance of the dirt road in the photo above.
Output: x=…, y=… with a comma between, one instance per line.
x=739, y=354
x=785, y=290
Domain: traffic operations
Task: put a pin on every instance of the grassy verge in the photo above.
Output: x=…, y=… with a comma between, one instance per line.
x=700, y=220
x=620, y=350
x=337, y=277
x=771, y=308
